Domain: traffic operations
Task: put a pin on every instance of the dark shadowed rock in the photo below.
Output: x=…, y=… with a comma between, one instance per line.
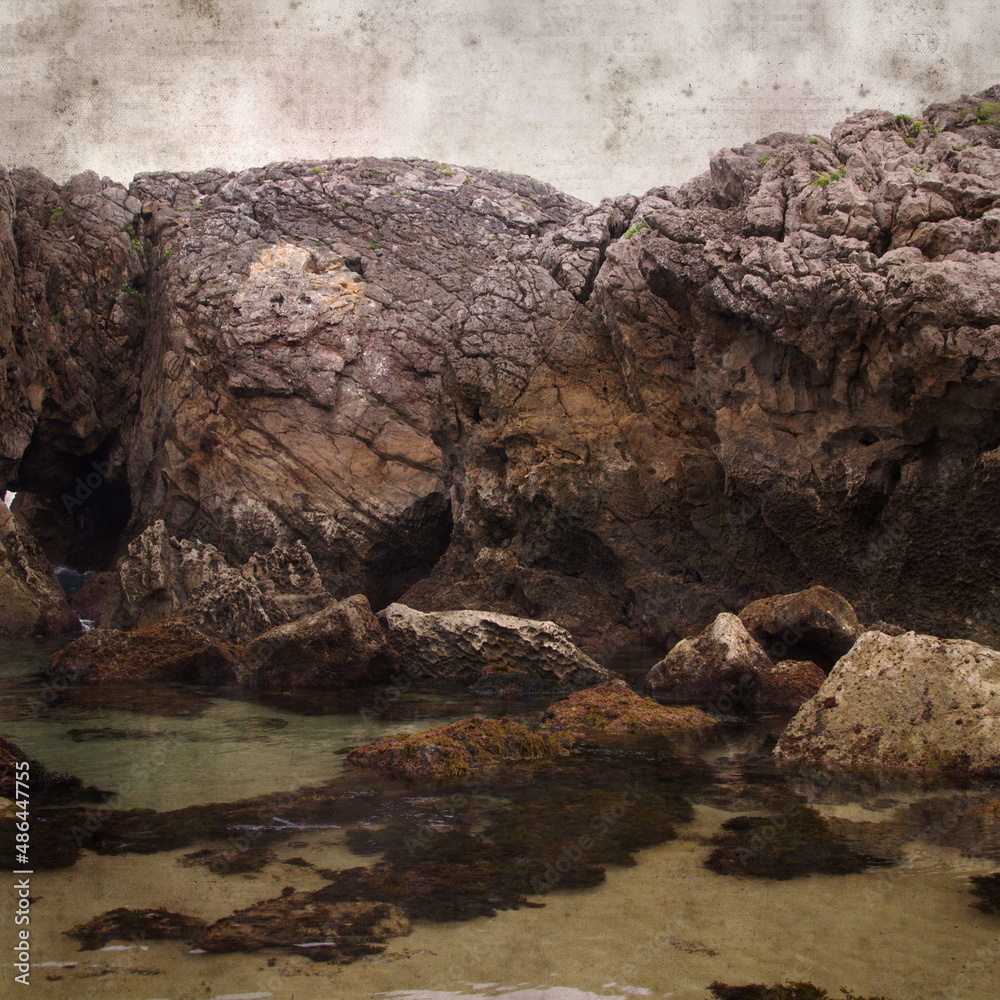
x=341, y=646
x=171, y=650
x=909, y=701
x=814, y=624
x=719, y=669
x=462, y=643
x=123, y=924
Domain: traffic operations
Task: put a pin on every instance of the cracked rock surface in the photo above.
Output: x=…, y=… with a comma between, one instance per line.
x=458, y=388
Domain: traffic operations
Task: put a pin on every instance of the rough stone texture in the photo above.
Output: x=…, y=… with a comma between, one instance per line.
x=341, y=646
x=788, y=685
x=170, y=650
x=31, y=600
x=98, y=598
x=461, y=643
x=907, y=701
x=162, y=576
x=814, y=624
x=718, y=669
x=461, y=389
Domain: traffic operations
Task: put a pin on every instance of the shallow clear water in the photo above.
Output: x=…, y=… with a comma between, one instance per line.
x=637, y=912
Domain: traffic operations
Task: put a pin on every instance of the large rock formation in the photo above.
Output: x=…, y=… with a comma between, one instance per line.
x=908, y=701
x=462, y=389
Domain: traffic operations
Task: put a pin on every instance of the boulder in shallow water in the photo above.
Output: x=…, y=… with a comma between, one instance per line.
x=171, y=650
x=788, y=685
x=460, y=644
x=815, y=624
x=908, y=701
x=718, y=669
x=123, y=924
x=341, y=646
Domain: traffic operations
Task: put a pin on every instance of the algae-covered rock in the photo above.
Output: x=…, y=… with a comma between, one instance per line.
x=909, y=701
x=987, y=888
x=171, y=650
x=788, y=685
x=123, y=924
x=341, y=646
x=324, y=932
x=616, y=708
x=500, y=680
x=453, y=750
x=461, y=644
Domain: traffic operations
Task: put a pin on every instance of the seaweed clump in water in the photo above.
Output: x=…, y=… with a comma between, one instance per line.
x=123, y=924
x=788, y=991
x=987, y=888
x=796, y=842
x=325, y=932
x=616, y=708
x=451, y=751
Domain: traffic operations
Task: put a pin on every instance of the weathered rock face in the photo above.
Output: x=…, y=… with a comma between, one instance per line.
x=788, y=685
x=31, y=600
x=461, y=643
x=718, y=669
x=461, y=389
x=814, y=624
x=341, y=646
x=907, y=701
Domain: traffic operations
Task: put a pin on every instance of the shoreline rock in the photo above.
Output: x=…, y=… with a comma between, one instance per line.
x=908, y=702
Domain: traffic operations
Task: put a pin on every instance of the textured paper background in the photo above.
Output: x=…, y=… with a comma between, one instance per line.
x=597, y=98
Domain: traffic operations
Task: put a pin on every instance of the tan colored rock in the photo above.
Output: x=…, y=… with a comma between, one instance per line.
x=341, y=646
x=31, y=600
x=718, y=670
x=909, y=701
x=460, y=644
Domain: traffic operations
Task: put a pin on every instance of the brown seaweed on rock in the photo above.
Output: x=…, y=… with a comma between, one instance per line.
x=778, y=991
x=123, y=924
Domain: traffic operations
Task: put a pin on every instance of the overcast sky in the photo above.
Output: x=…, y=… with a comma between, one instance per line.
x=597, y=98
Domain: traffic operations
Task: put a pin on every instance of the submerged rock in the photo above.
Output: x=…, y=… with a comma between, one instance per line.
x=782, y=991
x=341, y=646
x=172, y=650
x=909, y=701
x=453, y=750
x=123, y=924
x=31, y=600
x=461, y=644
x=815, y=624
x=718, y=669
x=616, y=708
x=324, y=932
x=987, y=888
x=499, y=680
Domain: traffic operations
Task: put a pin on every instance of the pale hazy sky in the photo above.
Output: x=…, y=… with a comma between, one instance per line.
x=596, y=98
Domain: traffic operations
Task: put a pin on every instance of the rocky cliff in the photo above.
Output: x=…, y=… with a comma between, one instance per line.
x=460, y=388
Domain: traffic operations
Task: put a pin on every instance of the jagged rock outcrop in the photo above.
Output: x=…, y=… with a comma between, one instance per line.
x=458, y=388
x=461, y=643
x=908, y=701
x=31, y=600
x=163, y=576
x=341, y=646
